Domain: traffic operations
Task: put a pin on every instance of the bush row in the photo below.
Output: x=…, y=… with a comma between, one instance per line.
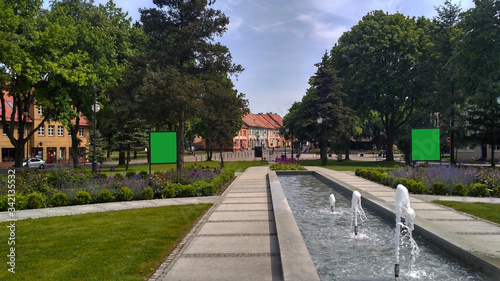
x=64, y=197
x=419, y=187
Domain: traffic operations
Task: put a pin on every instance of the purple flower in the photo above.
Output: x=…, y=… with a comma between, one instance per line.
x=4, y=182
x=95, y=177
x=99, y=170
x=72, y=174
x=82, y=175
x=110, y=177
x=195, y=170
x=208, y=167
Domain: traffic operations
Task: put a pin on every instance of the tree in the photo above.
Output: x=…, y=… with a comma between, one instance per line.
x=324, y=99
x=181, y=52
x=32, y=51
x=102, y=43
x=447, y=100
x=384, y=62
x=478, y=56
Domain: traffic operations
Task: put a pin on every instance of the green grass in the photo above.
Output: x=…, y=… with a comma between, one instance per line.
x=351, y=165
x=487, y=211
x=118, y=245
x=237, y=166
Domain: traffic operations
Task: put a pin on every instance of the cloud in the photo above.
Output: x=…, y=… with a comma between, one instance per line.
x=323, y=30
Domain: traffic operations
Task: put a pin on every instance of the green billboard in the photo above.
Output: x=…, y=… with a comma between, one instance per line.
x=425, y=145
x=163, y=147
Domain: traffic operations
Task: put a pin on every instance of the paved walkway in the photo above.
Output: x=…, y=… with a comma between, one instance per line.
x=236, y=240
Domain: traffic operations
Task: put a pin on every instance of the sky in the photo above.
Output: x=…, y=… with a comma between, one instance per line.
x=279, y=41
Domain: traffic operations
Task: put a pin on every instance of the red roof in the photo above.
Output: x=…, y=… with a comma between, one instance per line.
x=9, y=104
x=261, y=120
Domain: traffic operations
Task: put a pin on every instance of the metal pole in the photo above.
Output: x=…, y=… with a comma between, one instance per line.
x=94, y=162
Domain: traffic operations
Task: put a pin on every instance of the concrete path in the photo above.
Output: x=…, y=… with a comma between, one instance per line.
x=469, y=238
x=236, y=240
x=103, y=207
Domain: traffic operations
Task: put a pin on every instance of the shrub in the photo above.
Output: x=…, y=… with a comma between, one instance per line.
x=35, y=200
x=204, y=188
x=461, y=189
x=105, y=196
x=416, y=187
x=118, y=177
x=125, y=194
x=59, y=199
x=439, y=188
x=169, y=190
x=218, y=182
x=403, y=181
x=130, y=174
x=143, y=174
x=147, y=193
x=188, y=191
x=82, y=197
x=479, y=190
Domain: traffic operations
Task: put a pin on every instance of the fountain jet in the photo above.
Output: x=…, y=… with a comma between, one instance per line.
x=332, y=202
x=403, y=209
x=356, y=210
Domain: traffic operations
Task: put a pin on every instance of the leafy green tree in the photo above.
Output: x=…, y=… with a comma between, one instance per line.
x=478, y=56
x=102, y=45
x=447, y=99
x=181, y=53
x=220, y=116
x=32, y=50
x=384, y=62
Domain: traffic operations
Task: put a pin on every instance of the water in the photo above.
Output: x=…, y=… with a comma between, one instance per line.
x=340, y=255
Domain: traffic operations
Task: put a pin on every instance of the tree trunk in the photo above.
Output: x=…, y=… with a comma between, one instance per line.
x=389, y=144
x=180, y=142
x=135, y=154
x=221, y=158
x=128, y=160
x=121, y=157
x=324, y=141
x=493, y=155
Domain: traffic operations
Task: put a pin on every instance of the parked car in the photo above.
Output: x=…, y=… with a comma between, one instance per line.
x=34, y=163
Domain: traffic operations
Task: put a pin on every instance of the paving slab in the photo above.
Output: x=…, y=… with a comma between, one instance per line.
x=242, y=215
x=245, y=200
x=245, y=207
x=233, y=244
x=227, y=268
x=238, y=227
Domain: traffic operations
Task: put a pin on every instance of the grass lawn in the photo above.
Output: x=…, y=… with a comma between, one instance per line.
x=237, y=166
x=487, y=211
x=350, y=165
x=118, y=245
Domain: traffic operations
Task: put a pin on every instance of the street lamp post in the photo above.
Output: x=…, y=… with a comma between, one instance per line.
x=95, y=107
x=284, y=141
x=324, y=140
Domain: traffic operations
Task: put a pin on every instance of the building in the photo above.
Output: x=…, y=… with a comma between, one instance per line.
x=52, y=142
x=259, y=130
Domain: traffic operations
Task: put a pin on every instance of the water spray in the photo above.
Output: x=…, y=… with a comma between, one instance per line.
x=403, y=208
x=356, y=210
x=332, y=202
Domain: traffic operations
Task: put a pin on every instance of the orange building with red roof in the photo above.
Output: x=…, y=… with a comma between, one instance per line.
x=52, y=142
x=259, y=130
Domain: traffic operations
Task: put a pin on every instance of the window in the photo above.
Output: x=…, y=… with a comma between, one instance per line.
x=244, y=133
x=60, y=131
x=41, y=131
x=40, y=110
x=81, y=132
x=52, y=130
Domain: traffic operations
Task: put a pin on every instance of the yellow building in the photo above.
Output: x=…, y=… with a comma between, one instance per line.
x=52, y=142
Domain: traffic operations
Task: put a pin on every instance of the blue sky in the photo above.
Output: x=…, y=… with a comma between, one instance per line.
x=279, y=41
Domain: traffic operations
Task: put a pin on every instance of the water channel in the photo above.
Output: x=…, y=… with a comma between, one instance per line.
x=338, y=254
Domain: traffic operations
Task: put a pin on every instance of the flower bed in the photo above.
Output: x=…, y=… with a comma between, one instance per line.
x=287, y=164
x=439, y=179
x=79, y=186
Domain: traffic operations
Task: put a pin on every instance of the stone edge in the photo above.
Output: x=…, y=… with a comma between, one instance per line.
x=295, y=259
